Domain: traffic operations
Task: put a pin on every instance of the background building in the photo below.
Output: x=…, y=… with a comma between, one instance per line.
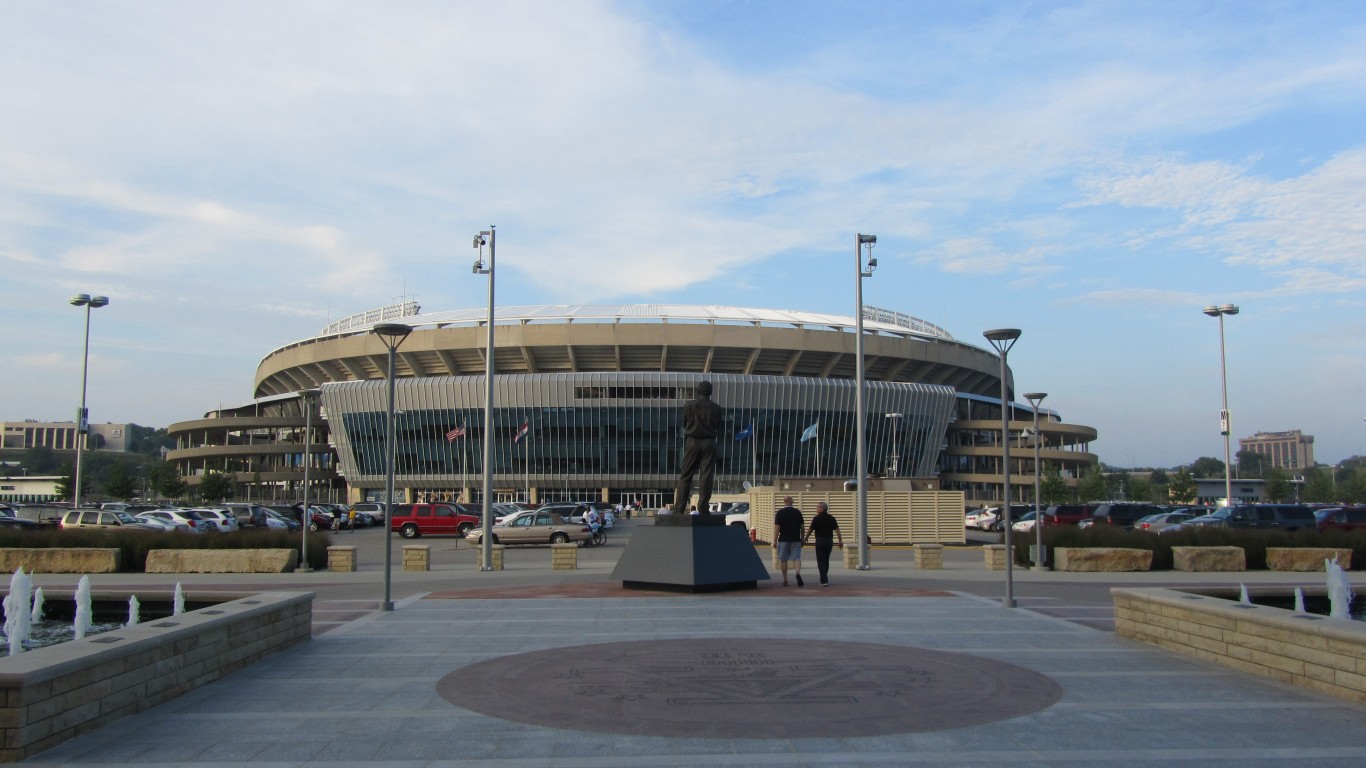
x=61, y=436
x=1290, y=450
x=599, y=389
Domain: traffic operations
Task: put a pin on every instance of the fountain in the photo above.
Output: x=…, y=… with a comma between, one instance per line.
x=1243, y=596
x=83, y=613
x=17, y=611
x=1339, y=590
x=37, y=605
x=132, y=611
x=178, y=605
x=1299, y=600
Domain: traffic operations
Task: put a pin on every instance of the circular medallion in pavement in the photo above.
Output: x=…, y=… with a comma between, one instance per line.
x=748, y=688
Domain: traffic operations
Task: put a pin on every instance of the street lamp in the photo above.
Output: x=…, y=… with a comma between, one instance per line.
x=1224, y=426
x=82, y=416
x=309, y=398
x=1002, y=339
x=896, y=450
x=488, y=237
x=1034, y=399
x=392, y=334
x=861, y=461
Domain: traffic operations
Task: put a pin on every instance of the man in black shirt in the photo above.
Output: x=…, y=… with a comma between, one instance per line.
x=701, y=424
x=787, y=526
x=826, y=528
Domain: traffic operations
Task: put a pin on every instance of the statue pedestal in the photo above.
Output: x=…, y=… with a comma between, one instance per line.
x=690, y=553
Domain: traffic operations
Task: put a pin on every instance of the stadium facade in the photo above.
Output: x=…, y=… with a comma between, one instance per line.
x=587, y=403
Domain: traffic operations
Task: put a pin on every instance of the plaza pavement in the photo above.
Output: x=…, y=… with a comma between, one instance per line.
x=372, y=688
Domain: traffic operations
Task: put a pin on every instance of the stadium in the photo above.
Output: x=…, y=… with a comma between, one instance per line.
x=587, y=401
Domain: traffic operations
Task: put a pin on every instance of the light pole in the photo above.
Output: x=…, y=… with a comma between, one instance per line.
x=861, y=454
x=1034, y=399
x=309, y=397
x=1002, y=339
x=896, y=449
x=1224, y=426
x=82, y=416
x=487, y=237
x=392, y=334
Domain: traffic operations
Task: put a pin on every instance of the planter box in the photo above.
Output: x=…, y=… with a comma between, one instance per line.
x=59, y=560
x=1209, y=559
x=222, y=560
x=1108, y=559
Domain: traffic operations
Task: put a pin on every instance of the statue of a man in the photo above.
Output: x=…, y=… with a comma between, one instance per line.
x=701, y=425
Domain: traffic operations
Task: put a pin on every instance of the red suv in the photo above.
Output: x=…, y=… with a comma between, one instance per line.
x=1067, y=514
x=413, y=520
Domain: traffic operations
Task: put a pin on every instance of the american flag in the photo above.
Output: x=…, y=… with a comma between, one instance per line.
x=454, y=433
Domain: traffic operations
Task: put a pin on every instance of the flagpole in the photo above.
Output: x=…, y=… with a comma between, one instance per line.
x=526, y=467
x=754, y=457
x=464, y=464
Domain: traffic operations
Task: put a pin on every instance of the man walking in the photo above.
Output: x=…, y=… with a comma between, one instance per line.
x=788, y=523
x=701, y=424
x=825, y=527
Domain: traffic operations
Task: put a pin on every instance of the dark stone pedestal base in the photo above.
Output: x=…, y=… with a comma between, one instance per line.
x=690, y=553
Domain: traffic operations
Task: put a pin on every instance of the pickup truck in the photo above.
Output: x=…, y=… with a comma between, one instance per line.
x=414, y=520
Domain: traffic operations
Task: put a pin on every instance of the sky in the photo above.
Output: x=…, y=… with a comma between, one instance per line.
x=234, y=176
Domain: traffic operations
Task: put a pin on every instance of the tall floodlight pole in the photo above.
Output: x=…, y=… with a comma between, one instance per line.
x=392, y=334
x=861, y=243
x=487, y=237
x=896, y=448
x=1034, y=399
x=83, y=416
x=309, y=397
x=1002, y=339
x=1224, y=425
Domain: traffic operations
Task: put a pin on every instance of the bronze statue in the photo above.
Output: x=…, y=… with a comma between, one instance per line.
x=701, y=425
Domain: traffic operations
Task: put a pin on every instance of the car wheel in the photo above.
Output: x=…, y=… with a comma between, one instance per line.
x=465, y=528
x=558, y=538
x=313, y=527
x=410, y=531
x=495, y=538
x=737, y=522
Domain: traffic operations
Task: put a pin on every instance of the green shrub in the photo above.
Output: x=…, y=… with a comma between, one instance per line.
x=1253, y=542
x=134, y=546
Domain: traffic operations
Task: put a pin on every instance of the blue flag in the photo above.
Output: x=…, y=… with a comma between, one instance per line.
x=810, y=432
x=745, y=433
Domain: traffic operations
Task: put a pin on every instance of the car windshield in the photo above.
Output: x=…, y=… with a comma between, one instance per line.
x=125, y=518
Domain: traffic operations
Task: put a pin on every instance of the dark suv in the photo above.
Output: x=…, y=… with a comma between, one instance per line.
x=1122, y=514
x=1287, y=517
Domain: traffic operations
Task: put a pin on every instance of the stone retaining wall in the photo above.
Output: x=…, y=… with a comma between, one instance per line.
x=929, y=557
x=341, y=558
x=1098, y=559
x=1327, y=655
x=1305, y=558
x=1209, y=559
x=49, y=695
x=222, y=560
x=60, y=560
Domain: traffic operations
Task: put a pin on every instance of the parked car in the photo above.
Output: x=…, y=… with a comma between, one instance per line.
x=1155, y=523
x=1120, y=514
x=1025, y=524
x=1341, y=518
x=414, y=520
x=248, y=515
x=571, y=511
x=374, y=509
x=101, y=519
x=739, y=515
x=1287, y=517
x=276, y=520
x=223, y=521
x=1067, y=514
x=191, y=521
x=981, y=519
x=42, y=514
x=8, y=520
x=537, y=526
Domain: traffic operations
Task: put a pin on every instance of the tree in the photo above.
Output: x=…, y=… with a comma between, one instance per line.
x=215, y=486
x=1206, y=466
x=1277, y=487
x=1343, y=471
x=1181, y=488
x=1053, y=488
x=1252, y=464
x=1159, y=477
x=1353, y=489
x=164, y=479
x=1319, y=487
x=41, y=460
x=65, y=483
x=1140, y=489
x=119, y=483
x=1092, y=486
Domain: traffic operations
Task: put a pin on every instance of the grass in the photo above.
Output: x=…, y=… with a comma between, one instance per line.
x=1254, y=543
x=134, y=546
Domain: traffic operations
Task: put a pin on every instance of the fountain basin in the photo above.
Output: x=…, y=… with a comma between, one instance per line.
x=55, y=693
x=1317, y=652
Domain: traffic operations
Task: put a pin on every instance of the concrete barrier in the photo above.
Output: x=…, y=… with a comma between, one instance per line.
x=994, y=557
x=495, y=557
x=1305, y=558
x=1097, y=559
x=564, y=557
x=929, y=557
x=60, y=560
x=1209, y=559
x=222, y=560
x=417, y=557
x=50, y=695
x=341, y=558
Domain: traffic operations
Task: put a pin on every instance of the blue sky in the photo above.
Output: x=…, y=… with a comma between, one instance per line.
x=235, y=175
